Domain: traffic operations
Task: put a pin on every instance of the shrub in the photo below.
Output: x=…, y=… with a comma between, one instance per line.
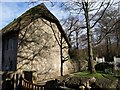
x=104, y=67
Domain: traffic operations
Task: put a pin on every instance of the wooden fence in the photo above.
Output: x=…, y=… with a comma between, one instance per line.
x=17, y=82
x=26, y=85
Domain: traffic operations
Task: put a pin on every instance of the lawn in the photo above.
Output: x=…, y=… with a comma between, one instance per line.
x=101, y=80
x=96, y=75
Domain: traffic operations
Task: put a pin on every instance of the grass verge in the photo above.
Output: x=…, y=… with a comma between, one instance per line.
x=96, y=75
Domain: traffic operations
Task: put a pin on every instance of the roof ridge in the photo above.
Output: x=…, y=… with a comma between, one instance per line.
x=39, y=11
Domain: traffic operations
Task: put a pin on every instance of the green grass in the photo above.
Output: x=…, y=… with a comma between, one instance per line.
x=97, y=75
x=109, y=76
x=87, y=74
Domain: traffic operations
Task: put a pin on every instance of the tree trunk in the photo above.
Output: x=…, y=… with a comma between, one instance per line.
x=118, y=44
x=107, y=48
x=61, y=68
x=89, y=39
x=77, y=42
x=118, y=38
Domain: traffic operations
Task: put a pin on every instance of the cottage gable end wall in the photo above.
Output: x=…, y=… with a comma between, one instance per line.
x=39, y=49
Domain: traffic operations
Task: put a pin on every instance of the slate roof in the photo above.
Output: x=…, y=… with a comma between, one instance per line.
x=39, y=11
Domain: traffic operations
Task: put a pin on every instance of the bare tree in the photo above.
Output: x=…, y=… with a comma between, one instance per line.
x=86, y=9
x=107, y=31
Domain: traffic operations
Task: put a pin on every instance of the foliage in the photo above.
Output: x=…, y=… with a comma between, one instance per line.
x=79, y=57
x=117, y=73
x=104, y=67
x=78, y=54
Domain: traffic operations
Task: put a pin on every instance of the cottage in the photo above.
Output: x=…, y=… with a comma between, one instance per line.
x=36, y=41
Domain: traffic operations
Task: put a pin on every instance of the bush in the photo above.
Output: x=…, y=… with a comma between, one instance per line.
x=117, y=73
x=104, y=67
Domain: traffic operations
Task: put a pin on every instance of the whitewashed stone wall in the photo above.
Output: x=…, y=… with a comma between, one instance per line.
x=116, y=62
x=100, y=60
x=39, y=49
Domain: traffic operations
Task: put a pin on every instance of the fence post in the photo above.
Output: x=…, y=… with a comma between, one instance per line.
x=103, y=59
x=16, y=81
x=12, y=84
x=96, y=59
x=20, y=83
x=114, y=63
x=114, y=59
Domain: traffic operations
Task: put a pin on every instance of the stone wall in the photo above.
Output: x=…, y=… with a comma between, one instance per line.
x=100, y=60
x=116, y=63
x=39, y=50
